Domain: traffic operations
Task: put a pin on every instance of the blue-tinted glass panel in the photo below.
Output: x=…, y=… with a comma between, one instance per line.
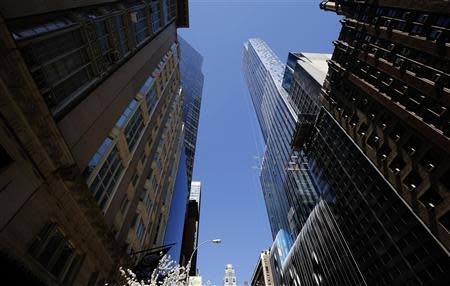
x=98, y=156
x=126, y=114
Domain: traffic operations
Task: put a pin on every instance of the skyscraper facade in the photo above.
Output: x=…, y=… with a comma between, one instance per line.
x=185, y=206
x=289, y=194
x=192, y=80
x=91, y=137
x=370, y=152
x=178, y=211
x=230, y=276
x=386, y=114
x=191, y=227
x=318, y=254
x=262, y=276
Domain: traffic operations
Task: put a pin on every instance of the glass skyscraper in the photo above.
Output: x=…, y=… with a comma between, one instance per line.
x=374, y=175
x=181, y=213
x=314, y=251
x=289, y=192
x=192, y=81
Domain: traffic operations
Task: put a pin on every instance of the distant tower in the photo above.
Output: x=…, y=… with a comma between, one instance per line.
x=230, y=276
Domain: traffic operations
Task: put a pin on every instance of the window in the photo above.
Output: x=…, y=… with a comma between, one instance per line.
x=156, y=22
x=55, y=253
x=149, y=91
x=443, y=21
x=134, y=125
x=60, y=66
x=107, y=178
x=102, y=39
x=126, y=114
x=139, y=20
x=56, y=24
x=102, y=36
x=148, y=203
x=140, y=230
x=134, y=129
x=121, y=31
x=151, y=99
x=95, y=160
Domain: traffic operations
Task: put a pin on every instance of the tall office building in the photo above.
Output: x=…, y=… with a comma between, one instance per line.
x=386, y=112
x=289, y=194
x=376, y=152
x=192, y=80
x=91, y=135
x=191, y=227
x=173, y=236
x=230, y=276
x=262, y=276
x=186, y=198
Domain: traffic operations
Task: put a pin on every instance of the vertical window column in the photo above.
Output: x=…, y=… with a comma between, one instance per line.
x=129, y=128
x=106, y=168
x=139, y=19
x=59, y=63
x=122, y=31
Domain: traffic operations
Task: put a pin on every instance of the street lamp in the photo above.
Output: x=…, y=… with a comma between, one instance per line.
x=216, y=241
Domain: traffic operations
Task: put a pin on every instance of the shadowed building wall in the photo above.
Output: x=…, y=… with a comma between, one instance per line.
x=91, y=117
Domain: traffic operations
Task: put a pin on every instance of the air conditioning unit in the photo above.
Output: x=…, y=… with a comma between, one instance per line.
x=134, y=17
x=114, y=56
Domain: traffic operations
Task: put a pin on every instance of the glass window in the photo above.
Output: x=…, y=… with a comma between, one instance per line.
x=55, y=253
x=165, y=11
x=102, y=36
x=443, y=21
x=121, y=31
x=148, y=203
x=107, y=178
x=140, y=230
x=139, y=19
x=134, y=129
x=156, y=22
x=97, y=156
x=99, y=40
x=149, y=91
x=60, y=66
x=147, y=85
x=151, y=99
x=41, y=28
x=126, y=114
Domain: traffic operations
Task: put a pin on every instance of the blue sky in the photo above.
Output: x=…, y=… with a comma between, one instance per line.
x=229, y=138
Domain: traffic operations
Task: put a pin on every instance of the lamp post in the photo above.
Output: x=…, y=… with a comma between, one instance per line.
x=217, y=241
